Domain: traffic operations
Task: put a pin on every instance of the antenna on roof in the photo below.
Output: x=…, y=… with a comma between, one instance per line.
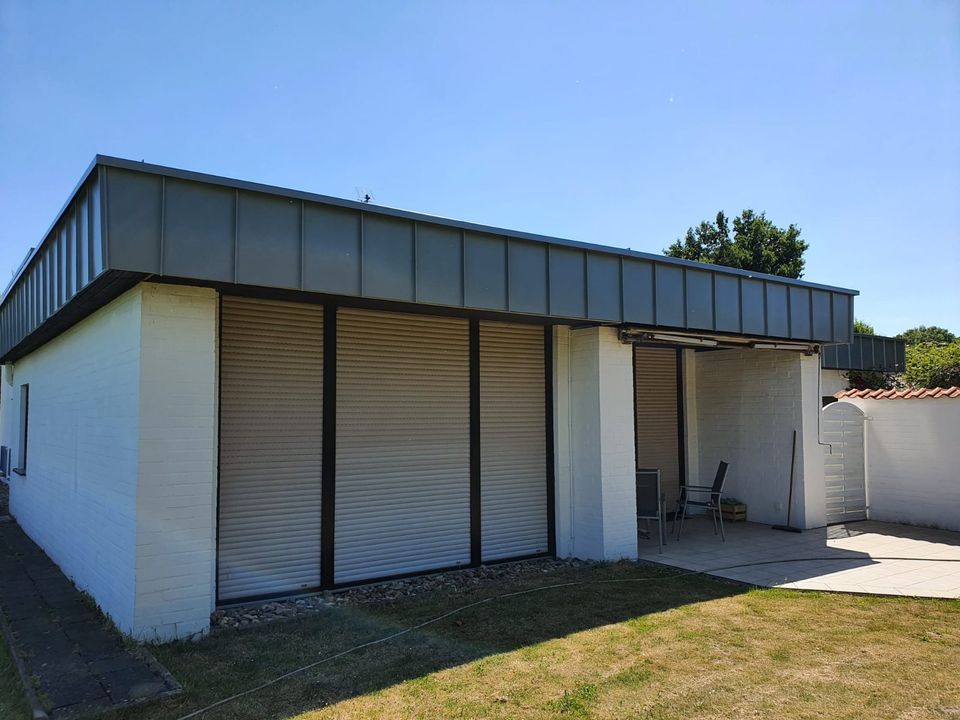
x=364, y=195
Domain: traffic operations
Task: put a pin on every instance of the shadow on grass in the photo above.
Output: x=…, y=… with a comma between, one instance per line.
x=233, y=661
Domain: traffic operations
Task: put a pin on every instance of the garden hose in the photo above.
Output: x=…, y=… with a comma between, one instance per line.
x=517, y=593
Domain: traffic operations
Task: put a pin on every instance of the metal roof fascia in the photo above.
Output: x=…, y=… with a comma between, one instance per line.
x=190, y=175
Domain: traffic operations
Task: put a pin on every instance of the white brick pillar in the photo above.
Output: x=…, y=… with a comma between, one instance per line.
x=177, y=485
x=595, y=455
x=811, y=483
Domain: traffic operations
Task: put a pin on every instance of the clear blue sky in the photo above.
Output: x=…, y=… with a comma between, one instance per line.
x=615, y=123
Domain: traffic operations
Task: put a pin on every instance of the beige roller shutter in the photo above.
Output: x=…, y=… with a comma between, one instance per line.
x=403, y=444
x=658, y=441
x=271, y=419
x=513, y=448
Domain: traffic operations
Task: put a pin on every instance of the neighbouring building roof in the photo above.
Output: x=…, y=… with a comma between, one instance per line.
x=950, y=392
x=127, y=221
x=866, y=352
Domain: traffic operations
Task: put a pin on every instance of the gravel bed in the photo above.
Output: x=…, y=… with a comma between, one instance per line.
x=454, y=581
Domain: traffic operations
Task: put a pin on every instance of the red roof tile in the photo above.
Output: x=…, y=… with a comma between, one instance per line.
x=951, y=392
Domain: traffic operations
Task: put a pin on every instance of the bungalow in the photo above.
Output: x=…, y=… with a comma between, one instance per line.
x=215, y=390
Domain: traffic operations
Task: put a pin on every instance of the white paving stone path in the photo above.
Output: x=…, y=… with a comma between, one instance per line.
x=861, y=557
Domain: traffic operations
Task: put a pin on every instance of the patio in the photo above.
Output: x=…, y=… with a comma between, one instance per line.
x=861, y=557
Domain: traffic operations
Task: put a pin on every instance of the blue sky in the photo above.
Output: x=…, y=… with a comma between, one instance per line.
x=615, y=123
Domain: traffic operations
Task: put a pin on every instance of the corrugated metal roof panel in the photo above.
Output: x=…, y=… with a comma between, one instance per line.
x=866, y=352
x=177, y=224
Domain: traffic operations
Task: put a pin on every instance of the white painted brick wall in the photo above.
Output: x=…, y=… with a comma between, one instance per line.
x=832, y=382
x=78, y=498
x=176, y=500
x=121, y=472
x=585, y=444
x=811, y=488
x=617, y=446
x=562, y=450
x=748, y=404
x=913, y=460
x=596, y=512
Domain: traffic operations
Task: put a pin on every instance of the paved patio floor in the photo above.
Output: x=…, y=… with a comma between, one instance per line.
x=860, y=557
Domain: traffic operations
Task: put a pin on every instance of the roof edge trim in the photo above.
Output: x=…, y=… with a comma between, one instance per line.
x=191, y=175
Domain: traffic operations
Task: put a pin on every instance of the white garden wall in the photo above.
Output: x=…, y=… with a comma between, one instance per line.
x=913, y=460
x=121, y=471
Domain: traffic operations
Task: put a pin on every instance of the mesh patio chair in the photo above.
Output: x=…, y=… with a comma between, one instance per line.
x=651, y=502
x=711, y=504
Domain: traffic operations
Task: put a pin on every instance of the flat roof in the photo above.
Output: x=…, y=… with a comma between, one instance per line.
x=128, y=220
x=867, y=352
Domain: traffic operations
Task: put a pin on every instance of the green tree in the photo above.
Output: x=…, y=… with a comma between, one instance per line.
x=757, y=245
x=708, y=242
x=924, y=334
x=933, y=365
x=863, y=328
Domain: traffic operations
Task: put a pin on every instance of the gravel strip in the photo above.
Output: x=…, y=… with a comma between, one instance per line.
x=454, y=581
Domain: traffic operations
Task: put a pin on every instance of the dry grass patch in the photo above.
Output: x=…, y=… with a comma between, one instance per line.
x=674, y=647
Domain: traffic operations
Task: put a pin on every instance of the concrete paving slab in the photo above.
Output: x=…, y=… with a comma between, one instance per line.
x=864, y=557
x=80, y=662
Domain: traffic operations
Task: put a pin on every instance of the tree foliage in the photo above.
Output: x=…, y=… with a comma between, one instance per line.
x=933, y=365
x=869, y=380
x=863, y=328
x=757, y=244
x=927, y=334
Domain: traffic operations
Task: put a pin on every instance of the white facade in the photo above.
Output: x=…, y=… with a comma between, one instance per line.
x=78, y=498
x=913, y=460
x=176, y=498
x=595, y=453
x=745, y=405
x=832, y=382
x=120, y=480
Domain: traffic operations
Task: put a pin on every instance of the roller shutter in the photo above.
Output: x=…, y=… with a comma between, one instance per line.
x=403, y=444
x=513, y=449
x=271, y=419
x=657, y=429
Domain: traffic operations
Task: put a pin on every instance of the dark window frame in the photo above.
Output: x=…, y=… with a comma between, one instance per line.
x=21, y=468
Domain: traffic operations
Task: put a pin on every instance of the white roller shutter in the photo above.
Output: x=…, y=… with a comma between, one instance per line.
x=513, y=448
x=657, y=428
x=403, y=444
x=271, y=421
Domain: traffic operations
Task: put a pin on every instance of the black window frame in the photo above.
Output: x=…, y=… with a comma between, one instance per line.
x=21, y=468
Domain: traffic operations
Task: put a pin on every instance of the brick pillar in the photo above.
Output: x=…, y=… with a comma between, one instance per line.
x=594, y=420
x=176, y=492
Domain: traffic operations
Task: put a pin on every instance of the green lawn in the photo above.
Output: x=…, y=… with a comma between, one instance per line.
x=674, y=647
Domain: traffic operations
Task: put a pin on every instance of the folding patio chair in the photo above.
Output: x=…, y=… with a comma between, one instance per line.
x=651, y=502
x=712, y=504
